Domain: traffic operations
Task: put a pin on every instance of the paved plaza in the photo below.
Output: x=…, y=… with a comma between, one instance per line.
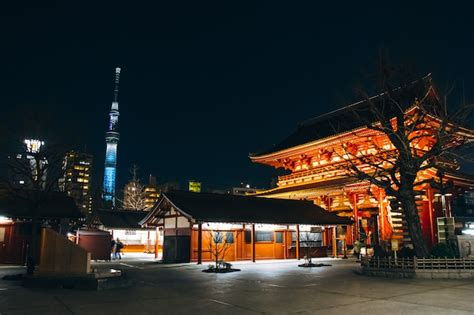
x=276, y=287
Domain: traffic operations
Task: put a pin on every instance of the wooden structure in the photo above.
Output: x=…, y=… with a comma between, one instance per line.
x=60, y=256
x=316, y=157
x=16, y=227
x=250, y=228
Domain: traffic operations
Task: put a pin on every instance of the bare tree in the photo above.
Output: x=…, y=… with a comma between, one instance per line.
x=30, y=175
x=409, y=134
x=134, y=193
x=308, y=240
x=219, y=244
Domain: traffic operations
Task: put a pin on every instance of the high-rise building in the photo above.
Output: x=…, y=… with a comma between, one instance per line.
x=30, y=168
x=76, y=180
x=151, y=192
x=112, y=138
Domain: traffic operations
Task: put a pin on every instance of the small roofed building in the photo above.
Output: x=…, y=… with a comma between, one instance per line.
x=16, y=217
x=124, y=225
x=254, y=228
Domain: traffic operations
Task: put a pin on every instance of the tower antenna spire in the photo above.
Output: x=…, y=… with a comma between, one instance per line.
x=117, y=81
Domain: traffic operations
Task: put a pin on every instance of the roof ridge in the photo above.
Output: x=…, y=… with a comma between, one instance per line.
x=312, y=120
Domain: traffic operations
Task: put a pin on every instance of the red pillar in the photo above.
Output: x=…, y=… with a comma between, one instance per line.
x=356, y=217
x=429, y=192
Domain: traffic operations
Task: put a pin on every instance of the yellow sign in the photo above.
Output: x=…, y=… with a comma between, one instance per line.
x=394, y=244
x=194, y=186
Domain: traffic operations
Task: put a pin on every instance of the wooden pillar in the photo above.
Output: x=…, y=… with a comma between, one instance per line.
x=285, y=243
x=253, y=242
x=382, y=218
x=191, y=241
x=429, y=192
x=334, y=242
x=356, y=218
x=156, y=242
x=298, y=241
x=199, y=260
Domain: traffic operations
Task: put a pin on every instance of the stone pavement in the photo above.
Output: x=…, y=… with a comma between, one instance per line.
x=264, y=287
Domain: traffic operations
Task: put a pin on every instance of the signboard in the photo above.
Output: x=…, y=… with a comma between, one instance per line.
x=394, y=244
x=194, y=186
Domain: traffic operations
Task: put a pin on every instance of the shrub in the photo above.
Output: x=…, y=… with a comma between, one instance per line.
x=442, y=250
x=407, y=252
x=379, y=251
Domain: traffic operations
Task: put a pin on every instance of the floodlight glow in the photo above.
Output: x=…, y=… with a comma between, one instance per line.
x=33, y=145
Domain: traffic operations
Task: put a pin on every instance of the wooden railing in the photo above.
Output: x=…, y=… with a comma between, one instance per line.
x=417, y=263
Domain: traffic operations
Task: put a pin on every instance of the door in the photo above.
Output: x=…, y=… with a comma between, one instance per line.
x=279, y=245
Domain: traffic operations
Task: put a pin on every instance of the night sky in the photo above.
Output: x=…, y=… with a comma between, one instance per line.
x=205, y=83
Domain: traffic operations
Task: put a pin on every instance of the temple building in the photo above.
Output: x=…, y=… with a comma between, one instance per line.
x=248, y=228
x=315, y=156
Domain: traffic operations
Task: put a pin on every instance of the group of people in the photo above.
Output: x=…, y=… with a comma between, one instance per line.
x=116, y=247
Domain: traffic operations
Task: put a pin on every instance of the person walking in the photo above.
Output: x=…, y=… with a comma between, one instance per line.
x=118, y=249
x=113, y=247
x=357, y=248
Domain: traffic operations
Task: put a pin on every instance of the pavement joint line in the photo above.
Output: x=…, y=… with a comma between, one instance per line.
x=274, y=285
x=64, y=304
x=233, y=305
x=131, y=266
x=388, y=298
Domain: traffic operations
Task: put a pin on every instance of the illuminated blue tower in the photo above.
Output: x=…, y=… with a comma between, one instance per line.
x=112, y=138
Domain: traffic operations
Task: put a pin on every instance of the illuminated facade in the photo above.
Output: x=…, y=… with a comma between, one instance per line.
x=316, y=157
x=112, y=138
x=151, y=192
x=77, y=167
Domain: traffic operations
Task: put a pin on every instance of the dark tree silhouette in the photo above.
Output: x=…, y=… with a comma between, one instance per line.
x=422, y=134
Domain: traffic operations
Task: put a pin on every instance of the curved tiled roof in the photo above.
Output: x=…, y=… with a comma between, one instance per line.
x=207, y=207
x=344, y=118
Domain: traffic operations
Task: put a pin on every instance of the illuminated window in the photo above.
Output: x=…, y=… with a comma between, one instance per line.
x=264, y=236
x=229, y=236
x=279, y=237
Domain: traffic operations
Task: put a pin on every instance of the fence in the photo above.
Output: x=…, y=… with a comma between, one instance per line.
x=418, y=263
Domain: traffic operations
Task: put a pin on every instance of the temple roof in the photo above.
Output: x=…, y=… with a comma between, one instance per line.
x=224, y=208
x=54, y=205
x=343, y=119
x=119, y=219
